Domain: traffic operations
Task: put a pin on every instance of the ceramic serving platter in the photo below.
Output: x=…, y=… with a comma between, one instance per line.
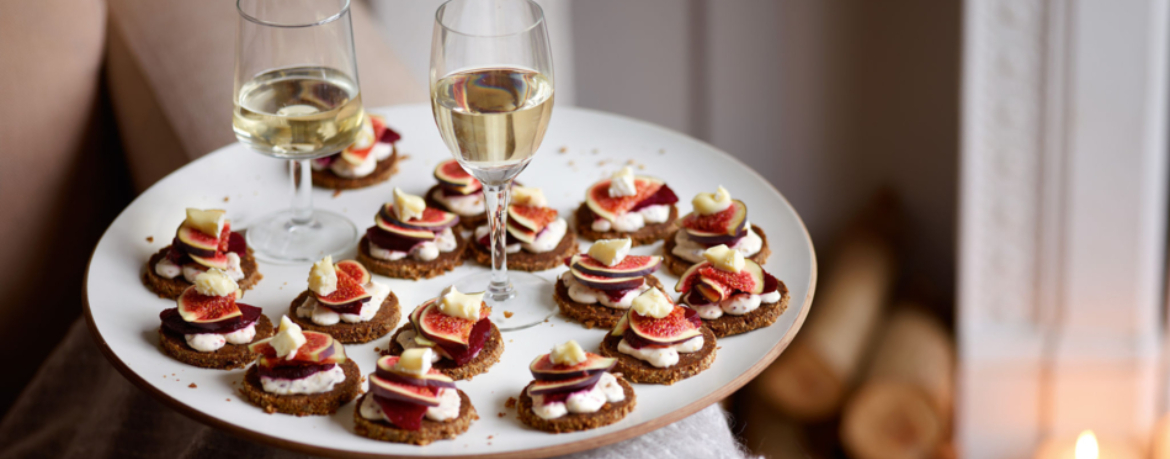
x=580, y=148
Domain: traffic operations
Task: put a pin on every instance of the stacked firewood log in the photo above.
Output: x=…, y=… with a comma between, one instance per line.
x=869, y=376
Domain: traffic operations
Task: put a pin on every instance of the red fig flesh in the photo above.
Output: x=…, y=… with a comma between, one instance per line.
x=195, y=307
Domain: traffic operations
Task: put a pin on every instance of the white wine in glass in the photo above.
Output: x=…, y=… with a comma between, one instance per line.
x=494, y=118
x=298, y=111
x=492, y=93
x=297, y=98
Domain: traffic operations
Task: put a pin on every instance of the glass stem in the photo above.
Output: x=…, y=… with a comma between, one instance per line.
x=301, y=177
x=497, y=210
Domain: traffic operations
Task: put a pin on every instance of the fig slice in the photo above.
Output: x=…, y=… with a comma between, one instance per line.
x=355, y=270
x=217, y=261
x=406, y=415
x=432, y=219
x=173, y=321
x=543, y=369
x=319, y=348
x=402, y=231
x=433, y=378
x=530, y=217
x=442, y=328
x=521, y=233
x=713, y=239
x=390, y=241
x=622, y=325
x=195, y=242
x=713, y=290
x=607, y=283
x=689, y=277
x=197, y=308
x=452, y=176
x=598, y=199
x=349, y=291
x=663, y=196
x=673, y=328
x=631, y=266
x=419, y=395
x=750, y=279
x=729, y=222
x=546, y=387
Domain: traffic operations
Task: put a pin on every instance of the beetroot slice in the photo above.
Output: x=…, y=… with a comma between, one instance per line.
x=475, y=341
x=664, y=195
x=616, y=295
x=237, y=244
x=386, y=240
x=402, y=414
x=389, y=136
x=770, y=283
x=508, y=239
x=293, y=371
x=353, y=307
x=171, y=320
x=638, y=342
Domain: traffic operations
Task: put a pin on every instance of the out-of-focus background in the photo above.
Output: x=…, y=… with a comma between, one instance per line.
x=984, y=181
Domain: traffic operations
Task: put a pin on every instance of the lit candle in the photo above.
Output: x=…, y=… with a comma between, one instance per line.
x=1086, y=446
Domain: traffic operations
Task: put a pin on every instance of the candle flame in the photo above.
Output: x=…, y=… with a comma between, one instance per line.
x=1086, y=445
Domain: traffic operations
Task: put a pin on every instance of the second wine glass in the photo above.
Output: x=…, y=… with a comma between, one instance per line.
x=492, y=91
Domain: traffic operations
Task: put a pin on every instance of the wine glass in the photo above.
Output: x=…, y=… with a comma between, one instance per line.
x=297, y=98
x=491, y=81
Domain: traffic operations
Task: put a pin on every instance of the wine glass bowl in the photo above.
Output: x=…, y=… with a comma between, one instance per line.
x=297, y=97
x=492, y=93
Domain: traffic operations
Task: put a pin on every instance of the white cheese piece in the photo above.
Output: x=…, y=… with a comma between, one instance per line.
x=209, y=222
x=712, y=203
x=214, y=282
x=725, y=258
x=653, y=303
x=610, y=251
x=569, y=353
x=288, y=339
x=323, y=277
x=622, y=183
x=415, y=361
x=458, y=304
x=408, y=206
x=528, y=196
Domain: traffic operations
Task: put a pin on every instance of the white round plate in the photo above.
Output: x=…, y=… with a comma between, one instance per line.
x=580, y=148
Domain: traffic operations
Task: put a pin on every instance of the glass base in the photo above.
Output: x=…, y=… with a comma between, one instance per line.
x=277, y=238
x=529, y=304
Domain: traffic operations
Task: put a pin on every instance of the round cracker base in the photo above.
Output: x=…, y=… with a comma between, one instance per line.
x=765, y=315
x=172, y=288
x=646, y=235
x=678, y=266
x=574, y=422
x=467, y=222
x=382, y=172
x=429, y=432
x=596, y=314
x=636, y=370
x=409, y=268
x=493, y=348
x=303, y=404
x=528, y=261
x=356, y=333
x=228, y=357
